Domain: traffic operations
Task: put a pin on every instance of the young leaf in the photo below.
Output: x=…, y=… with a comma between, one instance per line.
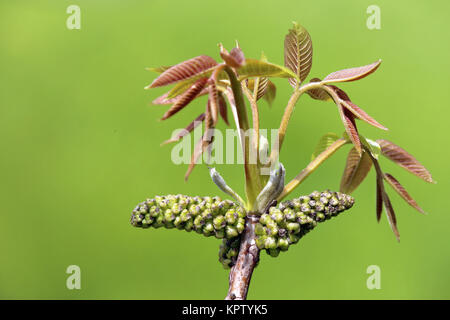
x=402, y=192
x=213, y=101
x=318, y=93
x=352, y=74
x=362, y=115
x=184, y=70
x=298, y=53
x=160, y=69
x=391, y=215
x=163, y=100
x=200, y=147
x=379, y=204
x=259, y=68
x=356, y=169
x=372, y=146
x=235, y=58
x=266, y=88
x=348, y=119
x=172, y=97
x=186, y=98
x=270, y=93
x=358, y=112
x=223, y=108
x=194, y=124
x=404, y=159
x=325, y=141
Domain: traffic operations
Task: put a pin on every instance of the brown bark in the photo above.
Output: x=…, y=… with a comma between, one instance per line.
x=241, y=272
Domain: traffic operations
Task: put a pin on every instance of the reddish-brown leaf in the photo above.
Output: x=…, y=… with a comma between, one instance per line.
x=298, y=53
x=163, y=100
x=213, y=101
x=379, y=200
x=270, y=93
x=223, y=108
x=348, y=119
x=362, y=115
x=318, y=93
x=199, y=148
x=352, y=74
x=404, y=159
x=235, y=58
x=184, y=70
x=194, y=124
x=391, y=215
x=356, y=169
x=263, y=84
x=186, y=98
x=357, y=111
x=402, y=192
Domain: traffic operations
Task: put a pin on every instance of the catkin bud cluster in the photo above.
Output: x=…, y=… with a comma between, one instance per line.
x=228, y=251
x=286, y=223
x=210, y=216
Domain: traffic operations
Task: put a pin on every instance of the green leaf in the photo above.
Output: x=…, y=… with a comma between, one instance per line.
x=324, y=142
x=298, y=53
x=260, y=68
x=372, y=146
x=160, y=69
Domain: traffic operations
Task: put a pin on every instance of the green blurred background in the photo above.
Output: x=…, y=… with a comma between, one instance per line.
x=80, y=148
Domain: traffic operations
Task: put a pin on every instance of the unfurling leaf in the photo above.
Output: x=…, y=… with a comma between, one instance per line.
x=220, y=182
x=356, y=169
x=402, y=192
x=259, y=68
x=263, y=83
x=318, y=93
x=352, y=74
x=266, y=88
x=194, y=124
x=270, y=93
x=404, y=159
x=235, y=58
x=298, y=53
x=184, y=70
x=186, y=98
x=348, y=119
x=372, y=146
x=325, y=141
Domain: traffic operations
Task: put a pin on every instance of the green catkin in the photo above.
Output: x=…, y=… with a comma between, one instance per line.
x=210, y=216
x=228, y=252
x=285, y=224
x=277, y=229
